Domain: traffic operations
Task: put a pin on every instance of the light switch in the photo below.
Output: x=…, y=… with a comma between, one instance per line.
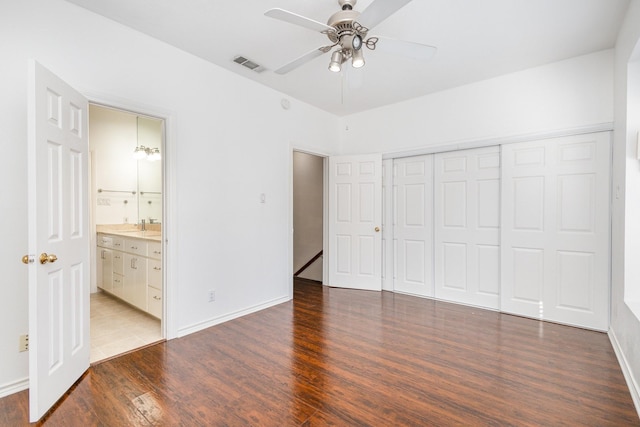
x=263, y=198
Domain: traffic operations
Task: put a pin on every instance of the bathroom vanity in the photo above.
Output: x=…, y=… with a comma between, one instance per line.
x=130, y=267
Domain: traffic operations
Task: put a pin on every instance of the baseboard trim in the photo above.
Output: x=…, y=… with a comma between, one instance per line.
x=626, y=371
x=221, y=319
x=14, y=387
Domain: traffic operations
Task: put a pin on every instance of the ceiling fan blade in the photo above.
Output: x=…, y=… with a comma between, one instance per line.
x=378, y=11
x=300, y=61
x=419, y=51
x=294, y=18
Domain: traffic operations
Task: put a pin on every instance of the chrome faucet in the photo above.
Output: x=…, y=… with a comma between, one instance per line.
x=143, y=226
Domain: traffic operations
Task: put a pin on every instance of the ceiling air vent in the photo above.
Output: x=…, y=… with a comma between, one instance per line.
x=248, y=63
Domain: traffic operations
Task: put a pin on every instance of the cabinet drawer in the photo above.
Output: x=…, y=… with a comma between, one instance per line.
x=154, y=302
x=155, y=250
x=118, y=263
x=154, y=273
x=138, y=247
x=118, y=285
x=105, y=241
x=118, y=243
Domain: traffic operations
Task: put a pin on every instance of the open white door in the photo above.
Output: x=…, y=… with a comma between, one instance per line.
x=58, y=239
x=355, y=214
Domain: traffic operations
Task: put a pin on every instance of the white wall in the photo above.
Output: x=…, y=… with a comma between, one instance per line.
x=568, y=94
x=230, y=141
x=625, y=244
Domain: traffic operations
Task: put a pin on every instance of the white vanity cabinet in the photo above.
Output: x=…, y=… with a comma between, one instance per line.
x=131, y=269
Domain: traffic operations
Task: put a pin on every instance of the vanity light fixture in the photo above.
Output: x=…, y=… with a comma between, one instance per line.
x=141, y=152
x=154, y=155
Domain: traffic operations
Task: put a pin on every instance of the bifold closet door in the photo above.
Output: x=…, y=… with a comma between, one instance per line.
x=413, y=225
x=467, y=226
x=555, y=229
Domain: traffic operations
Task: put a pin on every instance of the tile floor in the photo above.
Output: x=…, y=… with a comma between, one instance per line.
x=117, y=327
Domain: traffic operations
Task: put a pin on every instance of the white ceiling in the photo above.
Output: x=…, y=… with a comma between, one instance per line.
x=476, y=40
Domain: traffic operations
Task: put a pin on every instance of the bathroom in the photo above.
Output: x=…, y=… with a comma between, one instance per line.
x=126, y=180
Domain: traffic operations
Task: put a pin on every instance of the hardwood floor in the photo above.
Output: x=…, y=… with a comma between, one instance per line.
x=345, y=357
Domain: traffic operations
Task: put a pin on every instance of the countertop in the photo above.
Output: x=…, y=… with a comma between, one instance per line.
x=146, y=235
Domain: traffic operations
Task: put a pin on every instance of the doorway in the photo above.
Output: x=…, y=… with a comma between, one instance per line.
x=127, y=164
x=308, y=216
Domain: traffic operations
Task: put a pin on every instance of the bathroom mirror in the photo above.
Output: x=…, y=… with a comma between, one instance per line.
x=149, y=172
x=127, y=188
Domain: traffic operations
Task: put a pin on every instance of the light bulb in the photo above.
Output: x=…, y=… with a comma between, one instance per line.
x=357, y=60
x=154, y=155
x=336, y=61
x=139, y=152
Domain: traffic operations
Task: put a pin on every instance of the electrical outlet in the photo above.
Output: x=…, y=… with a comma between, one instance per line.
x=24, y=343
x=212, y=295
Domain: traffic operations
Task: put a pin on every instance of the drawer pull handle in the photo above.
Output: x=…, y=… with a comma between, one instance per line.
x=155, y=297
x=157, y=252
x=157, y=268
x=134, y=247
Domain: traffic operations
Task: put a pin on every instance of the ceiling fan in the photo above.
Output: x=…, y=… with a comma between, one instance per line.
x=347, y=30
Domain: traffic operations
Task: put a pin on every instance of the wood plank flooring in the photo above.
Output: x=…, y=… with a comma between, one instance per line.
x=344, y=357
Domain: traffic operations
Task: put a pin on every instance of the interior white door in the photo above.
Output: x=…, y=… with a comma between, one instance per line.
x=467, y=226
x=555, y=230
x=58, y=227
x=413, y=225
x=355, y=210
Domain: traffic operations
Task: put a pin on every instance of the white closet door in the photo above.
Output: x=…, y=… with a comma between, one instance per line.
x=467, y=226
x=555, y=222
x=413, y=225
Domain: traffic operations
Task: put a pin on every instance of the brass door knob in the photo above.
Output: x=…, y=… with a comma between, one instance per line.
x=377, y=229
x=44, y=258
x=26, y=259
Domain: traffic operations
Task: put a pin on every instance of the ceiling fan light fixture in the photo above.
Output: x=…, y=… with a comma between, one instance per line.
x=357, y=59
x=336, y=61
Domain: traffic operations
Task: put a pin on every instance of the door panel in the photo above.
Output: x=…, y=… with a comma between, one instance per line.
x=413, y=225
x=58, y=225
x=355, y=211
x=556, y=230
x=467, y=226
